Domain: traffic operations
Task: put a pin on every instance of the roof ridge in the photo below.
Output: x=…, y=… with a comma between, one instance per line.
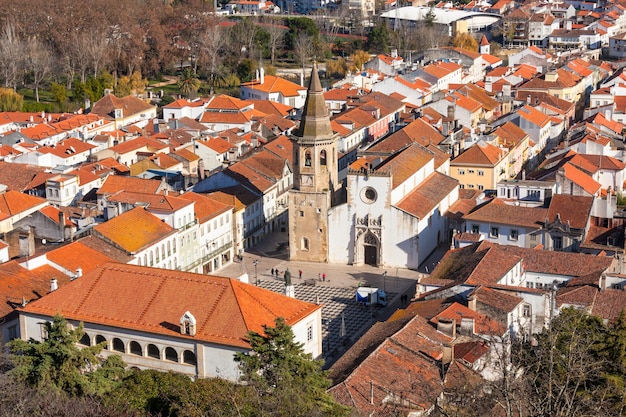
x=91, y=287
x=215, y=304
x=154, y=295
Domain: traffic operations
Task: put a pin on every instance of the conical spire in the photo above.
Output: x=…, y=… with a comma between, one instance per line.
x=315, y=121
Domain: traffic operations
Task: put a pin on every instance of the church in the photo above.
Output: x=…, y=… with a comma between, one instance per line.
x=390, y=211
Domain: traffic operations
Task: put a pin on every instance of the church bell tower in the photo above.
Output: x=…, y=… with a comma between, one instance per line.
x=315, y=178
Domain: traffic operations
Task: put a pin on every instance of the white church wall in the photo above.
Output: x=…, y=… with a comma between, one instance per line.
x=400, y=247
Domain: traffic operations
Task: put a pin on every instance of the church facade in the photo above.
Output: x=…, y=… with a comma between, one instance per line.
x=391, y=213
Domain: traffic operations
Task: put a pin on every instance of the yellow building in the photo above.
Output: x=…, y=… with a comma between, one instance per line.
x=480, y=167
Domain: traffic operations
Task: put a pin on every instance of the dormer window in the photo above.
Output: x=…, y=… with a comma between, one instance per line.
x=188, y=324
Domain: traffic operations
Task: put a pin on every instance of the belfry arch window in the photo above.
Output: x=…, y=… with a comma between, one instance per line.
x=307, y=158
x=188, y=324
x=323, y=157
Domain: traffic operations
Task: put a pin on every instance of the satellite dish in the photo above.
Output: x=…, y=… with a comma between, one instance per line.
x=43, y=241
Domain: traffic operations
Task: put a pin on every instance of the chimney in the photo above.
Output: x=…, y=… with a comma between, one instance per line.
x=394, y=53
x=62, y=224
x=471, y=302
x=603, y=282
x=302, y=79
x=257, y=75
x=451, y=112
x=53, y=285
x=262, y=75
x=523, y=175
x=447, y=326
x=448, y=353
x=79, y=272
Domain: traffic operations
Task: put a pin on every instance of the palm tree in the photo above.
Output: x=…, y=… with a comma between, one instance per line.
x=188, y=82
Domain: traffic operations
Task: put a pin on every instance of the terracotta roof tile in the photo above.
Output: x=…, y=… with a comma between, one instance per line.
x=406, y=162
x=134, y=230
x=78, y=255
x=497, y=211
x=570, y=208
x=153, y=300
x=424, y=198
x=117, y=183
x=274, y=84
x=206, y=208
x=130, y=105
x=482, y=153
x=18, y=283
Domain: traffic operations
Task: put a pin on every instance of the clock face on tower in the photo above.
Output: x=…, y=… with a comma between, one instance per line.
x=306, y=179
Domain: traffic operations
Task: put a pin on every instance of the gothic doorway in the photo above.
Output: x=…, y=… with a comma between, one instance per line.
x=370, y=249
x=370, y=255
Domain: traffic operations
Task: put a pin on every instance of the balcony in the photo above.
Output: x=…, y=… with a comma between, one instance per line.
x=206, y=258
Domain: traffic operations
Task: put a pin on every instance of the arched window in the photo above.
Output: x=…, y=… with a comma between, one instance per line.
x=189, y=357
x=153, y=352
x=169, y=248
x=307, y=158
x=304, y=244
x=151, y=258
x=135, y=349
x=118, y=345
x=145, y=259
x=171, y=355
x=100, y=339
x=323, y=157
x=85, y=340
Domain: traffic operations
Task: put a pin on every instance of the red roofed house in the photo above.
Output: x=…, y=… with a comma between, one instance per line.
x=124, y=111
x=166, y=320
x=269, y=87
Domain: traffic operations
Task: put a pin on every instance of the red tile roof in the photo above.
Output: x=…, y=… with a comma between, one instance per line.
x=424, y=198
x=570, y=208
x=497, y=211
x=117, y=183
x=153, y=300
x=134, y=230
x=78, y=255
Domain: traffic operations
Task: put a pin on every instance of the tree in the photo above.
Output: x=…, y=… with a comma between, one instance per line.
x=10, y=100
x=465, y=41
x=188, y=82
x=11, y=56
x=566, y=371
x=288, y=381
x=379, y=39
x=276, y=38
x=39, y=62
x=303, y=48
x=59, y=93
x=359, y=59
x=57, y=362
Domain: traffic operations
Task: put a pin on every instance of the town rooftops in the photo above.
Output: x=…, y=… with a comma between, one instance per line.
x=152, y=300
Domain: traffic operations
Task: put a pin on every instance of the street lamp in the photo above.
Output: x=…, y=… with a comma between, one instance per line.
x=256, y=272
x=385, y=281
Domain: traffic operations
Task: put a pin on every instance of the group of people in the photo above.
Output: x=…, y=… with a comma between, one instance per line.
x=276, y=273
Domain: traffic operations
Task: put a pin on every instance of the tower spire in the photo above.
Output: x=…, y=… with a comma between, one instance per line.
x=315, y=121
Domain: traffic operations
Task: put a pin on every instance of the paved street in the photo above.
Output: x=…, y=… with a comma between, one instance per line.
x=343, y=319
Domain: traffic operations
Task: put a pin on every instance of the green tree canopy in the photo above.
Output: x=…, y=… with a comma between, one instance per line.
x=188, y=82
x=379, y=39
x=57, y=362
x=289, y=381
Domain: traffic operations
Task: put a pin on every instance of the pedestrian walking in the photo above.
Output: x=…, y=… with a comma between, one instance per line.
x=300, y=274
x=324, y=277
x=272, y=271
